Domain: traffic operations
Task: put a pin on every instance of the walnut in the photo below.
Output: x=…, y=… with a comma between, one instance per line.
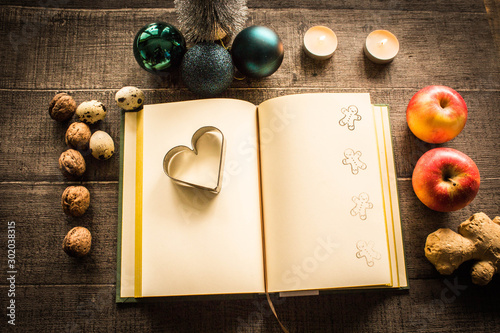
x=72, y=163
x=75, y=200
x=78, y=136
x=62, y=107
x=77, y=242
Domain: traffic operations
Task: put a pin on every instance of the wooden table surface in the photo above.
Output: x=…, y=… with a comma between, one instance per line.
x=85, y=49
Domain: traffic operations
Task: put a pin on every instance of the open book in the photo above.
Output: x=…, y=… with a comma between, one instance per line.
x=308, y=199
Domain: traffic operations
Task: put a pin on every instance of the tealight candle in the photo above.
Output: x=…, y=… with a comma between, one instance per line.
x=381, y=46
x=320, y=42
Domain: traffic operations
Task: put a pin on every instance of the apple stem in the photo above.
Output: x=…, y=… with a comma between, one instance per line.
x=452, y=181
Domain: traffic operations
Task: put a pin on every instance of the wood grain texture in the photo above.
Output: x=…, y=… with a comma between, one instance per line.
x=98, y=49
x=31, y=142
x=434, y=5
x=41, y=225
x=493, y=14
x=438, y=305
x=85, y=49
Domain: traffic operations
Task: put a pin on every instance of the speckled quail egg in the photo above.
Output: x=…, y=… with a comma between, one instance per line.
x=129, y=98
x=91, y=112
x=101, y=145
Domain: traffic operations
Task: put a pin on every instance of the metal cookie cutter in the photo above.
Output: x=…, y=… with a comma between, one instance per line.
x=201, y=167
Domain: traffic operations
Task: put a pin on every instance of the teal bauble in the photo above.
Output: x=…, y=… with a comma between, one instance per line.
x=257, y=51
x=207, y=69
x=159, y=47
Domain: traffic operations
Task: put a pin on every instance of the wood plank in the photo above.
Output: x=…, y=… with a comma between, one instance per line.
x=436, y=305
x=27, y=130
x=98, y=53
x=41, y=226
x=31, y=142
x=493, y=14
x=439, y=5
x=87, y=52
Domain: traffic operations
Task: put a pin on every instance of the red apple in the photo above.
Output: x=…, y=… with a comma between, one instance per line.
x=436, y=114
x=445, y=179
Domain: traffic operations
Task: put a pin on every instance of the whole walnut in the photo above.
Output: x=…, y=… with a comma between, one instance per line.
x=77, y=242
x=62, y=107
x=72, y=163
x=75, y=200
x=78, y=136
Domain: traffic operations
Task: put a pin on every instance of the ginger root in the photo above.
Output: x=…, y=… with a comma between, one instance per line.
x=478, y=238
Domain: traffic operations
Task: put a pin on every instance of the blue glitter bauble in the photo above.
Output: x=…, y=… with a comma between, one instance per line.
x=207, y=69
x=257, y=51
x=159, y=47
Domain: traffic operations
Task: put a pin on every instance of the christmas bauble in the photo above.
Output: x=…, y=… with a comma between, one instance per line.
x=207, y=69
x=159, y=47
x=257, y=51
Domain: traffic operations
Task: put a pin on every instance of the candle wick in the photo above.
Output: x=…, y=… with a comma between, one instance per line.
x=383, y=41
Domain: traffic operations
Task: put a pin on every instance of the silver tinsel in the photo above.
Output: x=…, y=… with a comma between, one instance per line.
x=209, y=20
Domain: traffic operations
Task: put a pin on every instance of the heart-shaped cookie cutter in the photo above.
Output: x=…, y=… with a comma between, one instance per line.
x=173, y=162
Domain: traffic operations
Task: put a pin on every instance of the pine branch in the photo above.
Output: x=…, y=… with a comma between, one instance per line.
x=209, y=20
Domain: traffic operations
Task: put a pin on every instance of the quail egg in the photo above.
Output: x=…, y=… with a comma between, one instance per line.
x=101, y=145
x=129, y=98
x=91, y=112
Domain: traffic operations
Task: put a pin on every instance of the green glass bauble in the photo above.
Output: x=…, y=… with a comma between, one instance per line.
x=257, y=51
x=159, y=47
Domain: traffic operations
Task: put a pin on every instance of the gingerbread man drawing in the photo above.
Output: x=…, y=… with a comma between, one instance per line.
x=362, y=204
x=352, y=158
x=350, y=116
x=366, y=250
